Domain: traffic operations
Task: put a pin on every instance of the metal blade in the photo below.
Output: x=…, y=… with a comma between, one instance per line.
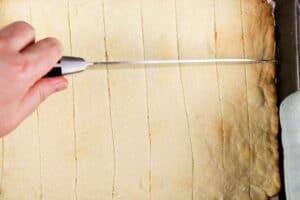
x=190, y=61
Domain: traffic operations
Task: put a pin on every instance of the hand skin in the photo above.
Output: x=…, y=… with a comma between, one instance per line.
x=23, y=63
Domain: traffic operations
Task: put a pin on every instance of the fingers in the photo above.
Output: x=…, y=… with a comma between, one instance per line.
x=39, y=92
x=41, y=57
x=16, y=36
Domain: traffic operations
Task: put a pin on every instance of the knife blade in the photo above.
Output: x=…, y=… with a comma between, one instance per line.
x=70, y=65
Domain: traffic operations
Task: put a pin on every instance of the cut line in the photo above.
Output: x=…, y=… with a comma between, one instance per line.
x=75, y=142
x=147, y=103
x=109, y=105
x=220, y=97
x=74, y=108
x=187, y=117
x=247, y=98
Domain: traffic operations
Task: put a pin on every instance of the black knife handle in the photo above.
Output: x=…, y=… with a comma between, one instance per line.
x=68, y=65
x=54, y=72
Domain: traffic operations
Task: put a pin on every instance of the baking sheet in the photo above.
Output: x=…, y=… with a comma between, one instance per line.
x=287, y=30
x=287, y=16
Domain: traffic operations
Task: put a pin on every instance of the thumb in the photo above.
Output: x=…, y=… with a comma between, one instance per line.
x=39, y=92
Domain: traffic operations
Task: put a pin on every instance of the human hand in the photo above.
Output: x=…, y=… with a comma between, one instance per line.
x=23, y=63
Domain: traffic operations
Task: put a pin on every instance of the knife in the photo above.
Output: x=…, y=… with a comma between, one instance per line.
x=70, y=65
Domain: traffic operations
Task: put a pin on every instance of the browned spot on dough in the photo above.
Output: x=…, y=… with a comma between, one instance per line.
x=106, y=55
x=219, y=127
x=268, y=74
x=216, y=35
x=274, y=124
x=260, y=100
x=277, y=181
x=239, y=98
x=233, y=38
x=270, y=93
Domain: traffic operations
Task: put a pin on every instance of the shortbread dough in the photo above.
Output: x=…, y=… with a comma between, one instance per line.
x=201, y=132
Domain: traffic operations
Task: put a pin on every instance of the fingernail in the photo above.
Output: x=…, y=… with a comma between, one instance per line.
x=60, y=85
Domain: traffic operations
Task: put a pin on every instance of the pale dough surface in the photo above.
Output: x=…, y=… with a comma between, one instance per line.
x=206, y=132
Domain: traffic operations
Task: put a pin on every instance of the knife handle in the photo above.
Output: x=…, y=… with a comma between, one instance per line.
x=54, y=72
x=67, y=65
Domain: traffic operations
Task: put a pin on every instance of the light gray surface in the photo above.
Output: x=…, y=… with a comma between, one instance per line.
x=290, y=124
